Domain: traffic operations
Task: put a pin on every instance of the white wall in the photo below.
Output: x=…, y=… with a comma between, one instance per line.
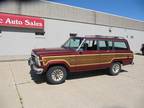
x=57, y=32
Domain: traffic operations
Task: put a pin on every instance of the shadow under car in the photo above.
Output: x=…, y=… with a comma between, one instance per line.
x=38, y=79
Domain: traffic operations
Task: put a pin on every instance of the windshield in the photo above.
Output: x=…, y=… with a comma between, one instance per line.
x=72, y=43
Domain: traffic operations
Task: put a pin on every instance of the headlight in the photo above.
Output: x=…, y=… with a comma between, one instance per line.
x=35, y=59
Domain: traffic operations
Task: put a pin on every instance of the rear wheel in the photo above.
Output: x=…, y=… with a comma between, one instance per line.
x=115, y=68
x=56, y=74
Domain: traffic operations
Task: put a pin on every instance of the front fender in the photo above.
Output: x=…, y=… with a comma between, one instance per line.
x=57, y=62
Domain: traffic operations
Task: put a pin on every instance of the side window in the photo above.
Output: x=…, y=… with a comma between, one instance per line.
x=120, y=46
x=95, y=45
x=89, y=42
x=90, y=45
x=75, y=43
x=103, y=45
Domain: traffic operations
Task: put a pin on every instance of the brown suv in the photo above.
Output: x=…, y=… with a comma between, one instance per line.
x=81, y=54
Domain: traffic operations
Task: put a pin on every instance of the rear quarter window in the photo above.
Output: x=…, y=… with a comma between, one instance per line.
x=120, y=46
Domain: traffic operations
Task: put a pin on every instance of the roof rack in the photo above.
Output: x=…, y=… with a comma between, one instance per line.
x=100, y=36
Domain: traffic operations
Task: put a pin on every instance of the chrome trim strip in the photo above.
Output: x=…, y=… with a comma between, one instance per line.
x=87, y=55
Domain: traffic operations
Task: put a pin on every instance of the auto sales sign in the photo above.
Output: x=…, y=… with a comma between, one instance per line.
x=10, y=20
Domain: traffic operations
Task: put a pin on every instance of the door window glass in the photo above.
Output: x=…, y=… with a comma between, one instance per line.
x=103, y=45
x=95, y=45
x=90, y=45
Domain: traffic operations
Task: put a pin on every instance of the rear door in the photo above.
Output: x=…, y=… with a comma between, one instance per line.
x=106, y=52
x=97, y=55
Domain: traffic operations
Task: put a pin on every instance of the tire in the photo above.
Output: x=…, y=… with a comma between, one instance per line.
x=56, y=75
x=115, y=68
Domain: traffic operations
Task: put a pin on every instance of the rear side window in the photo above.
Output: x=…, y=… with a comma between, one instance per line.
x=120, y=46
x=105, y=45
x=102, y=45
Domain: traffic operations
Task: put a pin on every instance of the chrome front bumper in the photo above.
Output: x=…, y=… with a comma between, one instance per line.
x=34, y=68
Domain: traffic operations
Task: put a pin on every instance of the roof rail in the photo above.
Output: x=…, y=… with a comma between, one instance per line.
x=100, y=36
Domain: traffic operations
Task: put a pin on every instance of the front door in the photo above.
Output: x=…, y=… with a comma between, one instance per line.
x=87, y=56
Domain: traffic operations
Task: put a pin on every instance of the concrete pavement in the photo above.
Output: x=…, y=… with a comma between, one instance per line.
x=20, y=88
x=8, y=92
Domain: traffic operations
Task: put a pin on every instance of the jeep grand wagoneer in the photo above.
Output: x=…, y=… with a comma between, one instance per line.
x=81, y=54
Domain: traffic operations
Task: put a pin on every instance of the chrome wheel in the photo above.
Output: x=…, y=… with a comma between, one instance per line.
x=116, y=68
x=57, y=75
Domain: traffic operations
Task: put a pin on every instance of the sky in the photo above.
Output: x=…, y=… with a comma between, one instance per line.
x=127, y=8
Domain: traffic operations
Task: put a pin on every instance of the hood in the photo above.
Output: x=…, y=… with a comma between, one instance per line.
x=52, y=51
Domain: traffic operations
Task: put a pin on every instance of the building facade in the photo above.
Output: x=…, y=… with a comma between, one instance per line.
x=59, y=21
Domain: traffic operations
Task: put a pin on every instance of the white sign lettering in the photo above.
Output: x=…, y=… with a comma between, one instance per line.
x=32, y=23
x=10, y=21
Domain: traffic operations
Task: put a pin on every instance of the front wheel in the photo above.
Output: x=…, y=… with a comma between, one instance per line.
x=56, y=74
x=115, y=68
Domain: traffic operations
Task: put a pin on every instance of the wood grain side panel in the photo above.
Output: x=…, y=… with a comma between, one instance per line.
x=87, y=59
